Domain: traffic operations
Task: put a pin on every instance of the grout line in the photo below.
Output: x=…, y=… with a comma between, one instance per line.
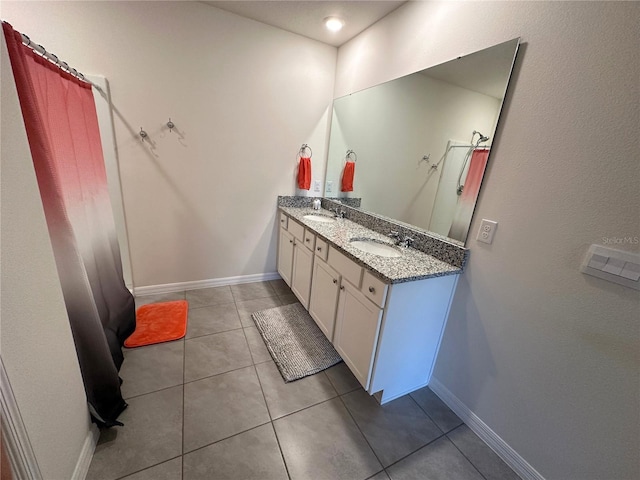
x=284, y=460
x=153, y=391
x=361, y=432
x=305, y=408
x=218, y=374
x=147, y=468
x=273, y=427
x=463, y=454
x=226, y=438
x=431, y=418
x=415, y=451
x=213, y=333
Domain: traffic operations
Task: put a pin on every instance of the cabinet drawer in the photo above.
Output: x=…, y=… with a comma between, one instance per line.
x=322, y=249
x=346, y=267
x=283, y=220
x=309, y=240
x=374, y=289
x=296, y=229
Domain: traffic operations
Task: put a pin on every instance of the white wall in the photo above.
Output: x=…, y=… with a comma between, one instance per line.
x=200, y=202
x=544, y=355
x=36, y=344
x=391, y=127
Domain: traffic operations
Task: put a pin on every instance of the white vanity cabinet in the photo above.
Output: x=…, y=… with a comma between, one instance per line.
x=356, y=331
x=387, y=334
x=285, y=255
x=295, y=258
x=325, y=287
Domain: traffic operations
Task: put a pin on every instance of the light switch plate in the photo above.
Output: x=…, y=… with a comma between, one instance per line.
x=487, y=231
x=616, y=266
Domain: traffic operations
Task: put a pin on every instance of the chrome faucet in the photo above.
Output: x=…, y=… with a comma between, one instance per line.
x=401, y=242
x=338, y=212
x=406, y=242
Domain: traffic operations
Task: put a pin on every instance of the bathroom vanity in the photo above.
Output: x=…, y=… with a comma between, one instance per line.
x=383, y=307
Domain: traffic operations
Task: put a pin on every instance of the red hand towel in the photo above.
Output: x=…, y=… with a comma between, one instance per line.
x=347, y=176
x=304, y=173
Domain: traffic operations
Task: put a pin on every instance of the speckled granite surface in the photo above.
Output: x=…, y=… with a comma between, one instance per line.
x=352, y=202
x=428, y=242
x=291, y=201
x=299, y=202
x=412, y=265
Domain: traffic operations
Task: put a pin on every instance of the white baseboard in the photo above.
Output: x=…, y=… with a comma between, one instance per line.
x=212, y=282
x=86, y=454
x=491, y=438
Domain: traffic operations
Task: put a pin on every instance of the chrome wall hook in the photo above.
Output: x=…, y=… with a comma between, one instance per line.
x=424, y=159
x=143, y=134
x=170, y=125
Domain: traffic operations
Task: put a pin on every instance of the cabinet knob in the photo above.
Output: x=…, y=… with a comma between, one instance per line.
x=282, y=220
x=306, y=240
x=290, y=241
x=372, y=290
x=335, y=281
x=341, y=287
x=319, y=249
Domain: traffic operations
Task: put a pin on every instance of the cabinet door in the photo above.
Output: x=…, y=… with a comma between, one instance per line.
x=285, y=256
x=302, y=265
x=356, y=332
x=324, y=296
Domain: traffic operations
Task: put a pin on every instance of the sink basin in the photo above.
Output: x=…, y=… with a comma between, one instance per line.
x=376, y=247
x=319, y=218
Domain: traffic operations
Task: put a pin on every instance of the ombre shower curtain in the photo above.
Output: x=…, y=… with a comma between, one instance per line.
x=467, y=200
x=62, y=127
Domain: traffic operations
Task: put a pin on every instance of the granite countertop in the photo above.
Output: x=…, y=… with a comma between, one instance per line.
x=411, y=265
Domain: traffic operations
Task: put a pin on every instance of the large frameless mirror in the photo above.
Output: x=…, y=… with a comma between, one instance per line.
x=421, y=142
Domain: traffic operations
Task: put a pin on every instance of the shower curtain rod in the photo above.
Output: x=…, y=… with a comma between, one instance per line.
x=53, y=58
x=468, y=146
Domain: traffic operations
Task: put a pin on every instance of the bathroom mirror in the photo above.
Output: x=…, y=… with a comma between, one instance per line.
x=421, y=142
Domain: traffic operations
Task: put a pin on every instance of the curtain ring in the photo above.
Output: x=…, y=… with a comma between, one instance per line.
x=28, y=39
x=65, y=65
x=44, y=50
x=56, y=57
x=349, y=156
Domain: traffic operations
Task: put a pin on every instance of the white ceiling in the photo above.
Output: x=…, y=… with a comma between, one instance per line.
x=306, y=17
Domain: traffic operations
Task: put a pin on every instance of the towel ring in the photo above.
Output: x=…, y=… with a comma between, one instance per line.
x=303, y=149
x=351, y=155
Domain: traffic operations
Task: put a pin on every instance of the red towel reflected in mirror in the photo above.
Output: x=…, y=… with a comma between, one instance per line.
x=347, y=177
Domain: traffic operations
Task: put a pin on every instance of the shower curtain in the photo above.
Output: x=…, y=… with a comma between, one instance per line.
x=62, y=129
x=467, y=200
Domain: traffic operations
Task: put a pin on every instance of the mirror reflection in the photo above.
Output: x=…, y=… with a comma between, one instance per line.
x=415, y=148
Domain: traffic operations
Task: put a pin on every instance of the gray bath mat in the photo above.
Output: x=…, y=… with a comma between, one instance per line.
x=295, y=342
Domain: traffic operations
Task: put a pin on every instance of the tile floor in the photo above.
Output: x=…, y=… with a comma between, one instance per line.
x=214, y=406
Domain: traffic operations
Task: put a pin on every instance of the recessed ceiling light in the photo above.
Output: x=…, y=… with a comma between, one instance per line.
x=334, y=24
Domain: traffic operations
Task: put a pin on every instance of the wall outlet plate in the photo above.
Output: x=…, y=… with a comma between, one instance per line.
x=316, y=185
x=329, y=186
x=487, y=231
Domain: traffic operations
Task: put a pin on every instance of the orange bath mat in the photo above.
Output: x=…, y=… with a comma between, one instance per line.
x=159, y=322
